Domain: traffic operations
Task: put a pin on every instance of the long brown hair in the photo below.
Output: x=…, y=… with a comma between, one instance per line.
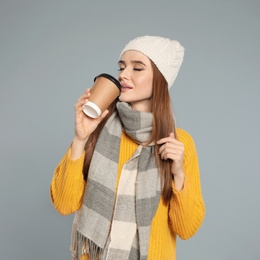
x=163, y=125
x=90, y=145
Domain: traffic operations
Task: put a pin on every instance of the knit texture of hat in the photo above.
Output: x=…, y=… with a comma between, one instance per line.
x=166, y=54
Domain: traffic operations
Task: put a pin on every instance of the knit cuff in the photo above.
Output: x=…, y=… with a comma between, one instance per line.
x=68, y=155
x=175, y=191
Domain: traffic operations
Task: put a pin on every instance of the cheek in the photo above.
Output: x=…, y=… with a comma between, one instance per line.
x=148, y=85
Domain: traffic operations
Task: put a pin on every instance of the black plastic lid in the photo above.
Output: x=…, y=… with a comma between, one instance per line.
x=105, y=75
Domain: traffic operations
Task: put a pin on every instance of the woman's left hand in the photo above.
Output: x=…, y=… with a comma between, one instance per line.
x=172, y=149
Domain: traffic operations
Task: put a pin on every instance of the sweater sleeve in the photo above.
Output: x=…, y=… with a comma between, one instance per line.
x=67, y=185
x=187, y=209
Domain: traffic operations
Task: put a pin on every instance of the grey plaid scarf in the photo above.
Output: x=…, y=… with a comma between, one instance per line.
x=114, y=224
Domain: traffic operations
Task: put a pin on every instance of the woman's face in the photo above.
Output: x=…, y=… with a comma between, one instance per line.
x=136, y=77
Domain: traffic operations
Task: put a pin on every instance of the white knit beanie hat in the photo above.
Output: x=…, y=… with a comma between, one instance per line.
x=166, y=54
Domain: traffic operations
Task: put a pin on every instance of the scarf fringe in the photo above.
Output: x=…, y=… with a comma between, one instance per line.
x=80, y=245
x=144, y=199
x=73, y=242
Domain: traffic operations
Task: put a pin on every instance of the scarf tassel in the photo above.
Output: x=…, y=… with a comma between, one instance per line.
x=138, y=125
x=80, y=246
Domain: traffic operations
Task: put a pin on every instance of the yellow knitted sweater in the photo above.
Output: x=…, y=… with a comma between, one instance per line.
x=182, y=216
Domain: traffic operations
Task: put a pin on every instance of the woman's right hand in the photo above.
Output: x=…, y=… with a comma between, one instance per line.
x=84, y=125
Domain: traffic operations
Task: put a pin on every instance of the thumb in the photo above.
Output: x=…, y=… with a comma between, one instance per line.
x=102, y=116
x=172, y=135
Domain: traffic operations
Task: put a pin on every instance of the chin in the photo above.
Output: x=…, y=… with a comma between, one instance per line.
x=122, y=99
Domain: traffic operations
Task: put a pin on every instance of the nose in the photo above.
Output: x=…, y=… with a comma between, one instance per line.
x=123, y=74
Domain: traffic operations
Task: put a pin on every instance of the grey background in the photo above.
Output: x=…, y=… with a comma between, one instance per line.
x=50, y=52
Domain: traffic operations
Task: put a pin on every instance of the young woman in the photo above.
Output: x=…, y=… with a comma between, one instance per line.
x=130, y=175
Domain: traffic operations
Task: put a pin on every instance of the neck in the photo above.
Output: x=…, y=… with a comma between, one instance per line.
x=144, y=106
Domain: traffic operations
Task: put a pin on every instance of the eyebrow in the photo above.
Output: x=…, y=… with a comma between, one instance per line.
x=133, y=62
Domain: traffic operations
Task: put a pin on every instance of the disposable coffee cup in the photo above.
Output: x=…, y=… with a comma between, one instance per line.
x=103, y=92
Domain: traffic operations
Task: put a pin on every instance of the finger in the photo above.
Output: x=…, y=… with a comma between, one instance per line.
x=104, y=114
x=166, y=148
x=163, y=140
x=84, y=96
x=174, y=148
x=168, y=141
x=82, y=100
x=175, y=151
x=172, y=144
x=79, y=106
x=174, y=155
x=169, y=138
x=87, y=91
x=165, y=155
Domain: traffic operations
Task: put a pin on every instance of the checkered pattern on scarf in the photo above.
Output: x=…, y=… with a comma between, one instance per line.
x=116, y=225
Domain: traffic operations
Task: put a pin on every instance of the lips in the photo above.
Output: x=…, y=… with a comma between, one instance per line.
x=125, y=87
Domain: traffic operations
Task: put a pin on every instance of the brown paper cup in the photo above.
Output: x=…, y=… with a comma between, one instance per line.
x=104, y=91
